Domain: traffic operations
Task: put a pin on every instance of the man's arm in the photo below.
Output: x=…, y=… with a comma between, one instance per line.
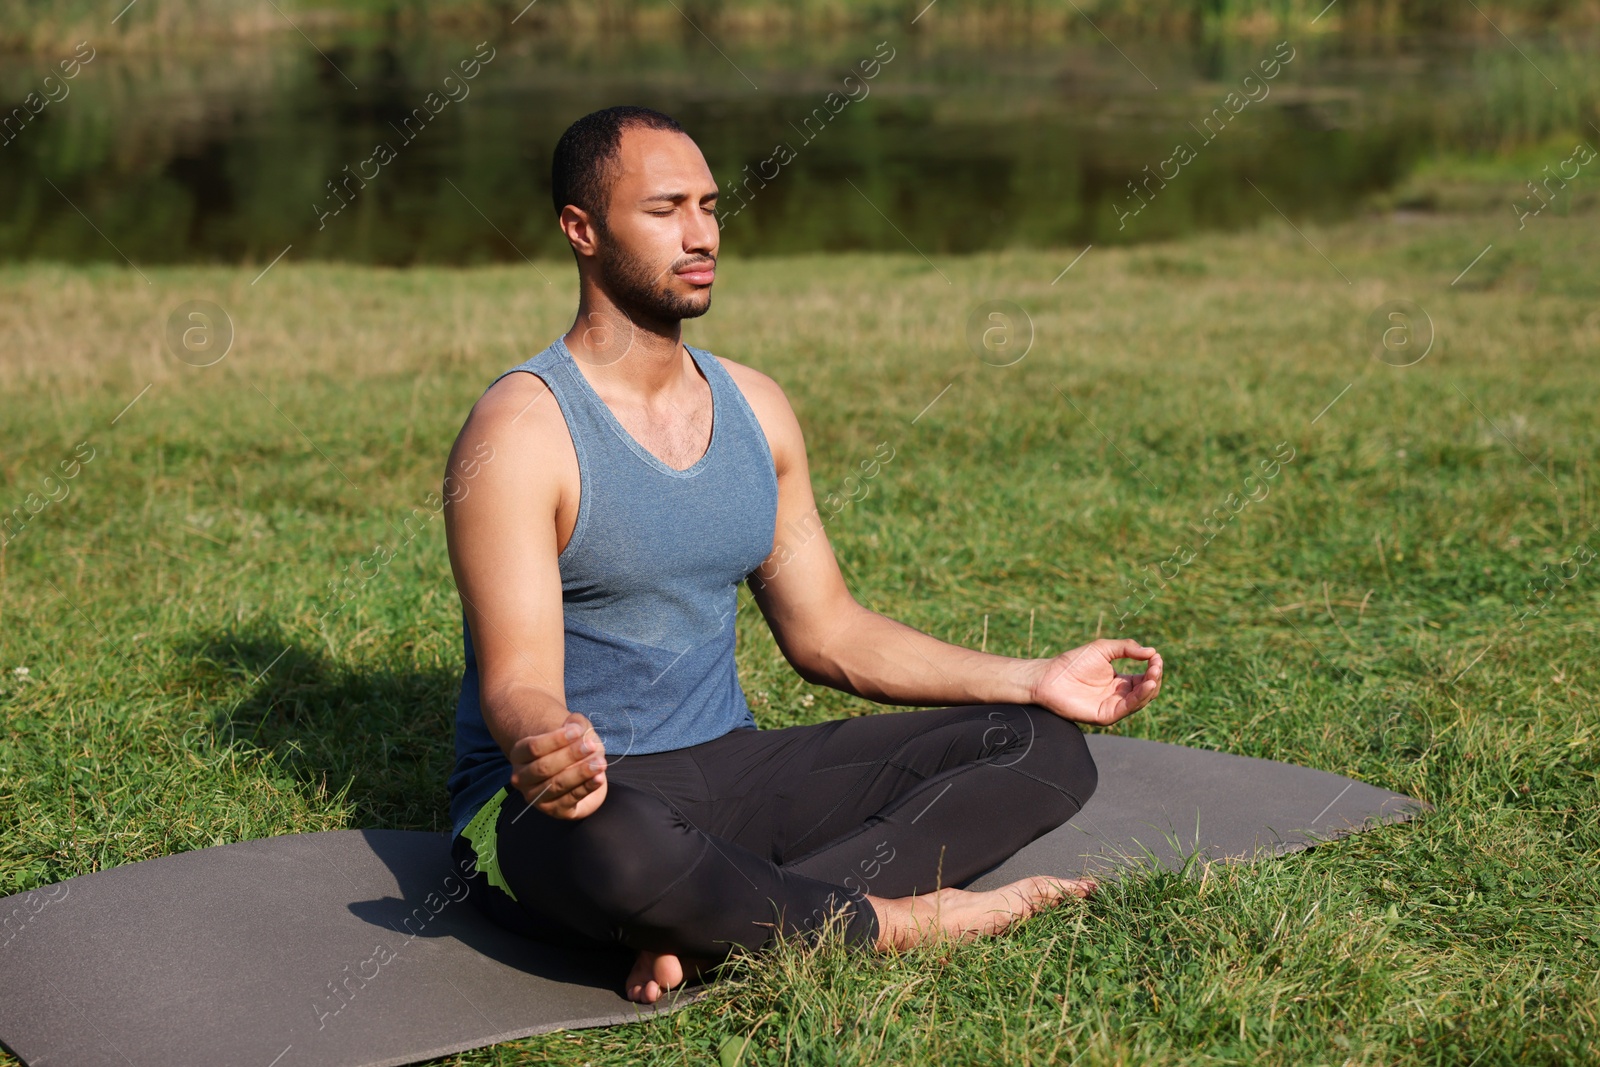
x=503, y=489
x=832, y=640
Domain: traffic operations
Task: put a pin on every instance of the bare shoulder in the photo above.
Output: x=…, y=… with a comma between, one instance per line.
x=753, y=383
x=519, y=400
x=520, y=412
x=516, y=419
x=773, y=410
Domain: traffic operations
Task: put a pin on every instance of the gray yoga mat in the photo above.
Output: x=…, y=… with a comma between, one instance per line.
x=1160, y=804
x=355, y=948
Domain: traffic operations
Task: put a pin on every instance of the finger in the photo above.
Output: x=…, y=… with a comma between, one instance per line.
x=549, y=753
x=1130, y=684
x=1133, y=702
x=533, y=746
x=552, y=775
x=547, y=796
x=561, y=785
x=559, y=760
x=533, y=775
x=1151, y=673
x=589, y=733
x=565, y=807
x=1125, y=648
x=586, y=787
x=558, y=796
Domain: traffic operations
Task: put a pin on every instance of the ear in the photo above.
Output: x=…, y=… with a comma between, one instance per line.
x=582, y=233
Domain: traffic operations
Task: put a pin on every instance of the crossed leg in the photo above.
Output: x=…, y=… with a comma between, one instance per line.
x=762, y=833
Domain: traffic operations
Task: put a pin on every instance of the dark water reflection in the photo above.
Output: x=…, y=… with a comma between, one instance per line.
x=233, y=155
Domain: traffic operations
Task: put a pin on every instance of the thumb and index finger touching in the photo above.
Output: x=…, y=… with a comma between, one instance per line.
x=1142, y=686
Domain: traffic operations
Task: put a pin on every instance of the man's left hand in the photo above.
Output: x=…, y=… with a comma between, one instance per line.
x=1082, y=684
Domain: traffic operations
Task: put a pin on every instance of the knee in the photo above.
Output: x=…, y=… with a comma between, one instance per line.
x=632, y=847
x=1059, y=754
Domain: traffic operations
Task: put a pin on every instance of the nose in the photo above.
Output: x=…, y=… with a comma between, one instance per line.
x=702, y=235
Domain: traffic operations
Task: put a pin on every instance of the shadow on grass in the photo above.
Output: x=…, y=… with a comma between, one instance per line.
x=381, y=733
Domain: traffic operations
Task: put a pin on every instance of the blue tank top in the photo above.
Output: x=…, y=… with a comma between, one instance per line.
x=649, y=581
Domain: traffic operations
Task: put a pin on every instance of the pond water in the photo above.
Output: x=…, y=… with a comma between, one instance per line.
x=394, y=150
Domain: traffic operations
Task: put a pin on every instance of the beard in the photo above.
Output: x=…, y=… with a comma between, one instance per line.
x=644, y=293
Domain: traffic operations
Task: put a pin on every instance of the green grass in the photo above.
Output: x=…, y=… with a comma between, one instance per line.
x=1363, y=618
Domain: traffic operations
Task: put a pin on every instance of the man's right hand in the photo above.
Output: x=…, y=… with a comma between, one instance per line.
x=563, y=772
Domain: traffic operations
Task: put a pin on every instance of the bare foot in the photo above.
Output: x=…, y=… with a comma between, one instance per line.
x=960, y=915
x=656, y=972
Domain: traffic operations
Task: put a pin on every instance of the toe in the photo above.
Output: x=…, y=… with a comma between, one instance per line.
x=668, y=971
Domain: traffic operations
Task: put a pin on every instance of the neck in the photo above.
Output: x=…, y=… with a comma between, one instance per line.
x=639, y=356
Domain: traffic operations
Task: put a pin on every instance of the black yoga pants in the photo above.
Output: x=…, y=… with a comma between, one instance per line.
x=762, y=832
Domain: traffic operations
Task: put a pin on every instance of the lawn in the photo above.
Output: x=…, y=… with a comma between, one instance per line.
x=197, y=648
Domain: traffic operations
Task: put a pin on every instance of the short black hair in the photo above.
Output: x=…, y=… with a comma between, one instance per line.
x=584, y=164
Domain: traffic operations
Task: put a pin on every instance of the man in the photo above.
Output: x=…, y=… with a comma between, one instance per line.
x=606, y=499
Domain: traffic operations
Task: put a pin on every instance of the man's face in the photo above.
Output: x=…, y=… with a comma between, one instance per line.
x=656, y=256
